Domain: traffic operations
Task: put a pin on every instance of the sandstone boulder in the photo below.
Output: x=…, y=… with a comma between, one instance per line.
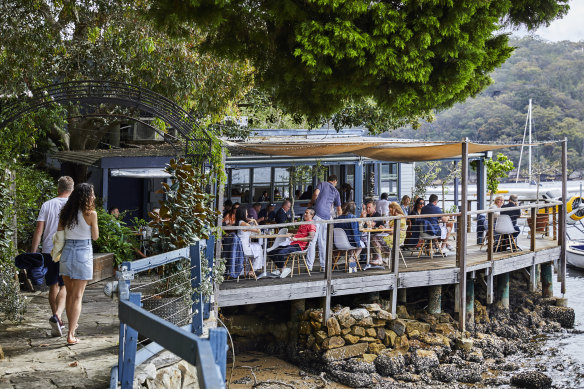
x=346, y=352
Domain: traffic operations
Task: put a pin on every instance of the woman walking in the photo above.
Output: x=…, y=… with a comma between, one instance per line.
x=79, y=221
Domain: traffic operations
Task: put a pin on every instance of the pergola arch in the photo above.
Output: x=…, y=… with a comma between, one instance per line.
x=115, y=93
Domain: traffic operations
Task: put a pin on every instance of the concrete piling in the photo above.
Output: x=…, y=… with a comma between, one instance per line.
x=470, y=303
x=547, y=287
x=503, y=289
x=435, y=300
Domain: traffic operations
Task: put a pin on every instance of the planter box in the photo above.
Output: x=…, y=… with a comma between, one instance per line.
x=103, y=266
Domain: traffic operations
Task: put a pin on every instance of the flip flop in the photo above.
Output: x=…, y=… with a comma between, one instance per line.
x=74, y=342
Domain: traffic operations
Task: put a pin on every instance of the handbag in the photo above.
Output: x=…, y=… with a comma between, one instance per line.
x=58, y=243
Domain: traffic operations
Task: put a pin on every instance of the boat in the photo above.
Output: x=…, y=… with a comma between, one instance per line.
x=575, y=254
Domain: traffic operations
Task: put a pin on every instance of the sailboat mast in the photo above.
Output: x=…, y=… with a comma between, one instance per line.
x=529, y=113
x=522, y=145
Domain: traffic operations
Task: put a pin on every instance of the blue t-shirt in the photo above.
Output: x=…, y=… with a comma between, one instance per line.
x=431, y=209
x=351, y=229
x=327, y=197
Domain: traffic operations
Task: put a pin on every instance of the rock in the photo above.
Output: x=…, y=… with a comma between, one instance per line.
x=480, y=313
x=398, y=326
x=345, y=331
x=346, y=352
x=333, y=342
x=402, y=343
x=450, y=372
x=379, y=322
x=333, y=327
x=342, y=313
x=360, y=313
x=369, y=358
x=320, y=336
x=435, y=340
x=531, y=379
x=189, y=375
x=1, y=353
x=424, y=360
x=144, y=372
x=390, y=337
x=316, y=325
x=353, y=365
x=390, y=362
x=372, y=307
x=380, y=333
x=384, y=315
x=563, y=315
x=365, y=322
x=369, y=339
x=371, y=332
x=414, y=334
x=376, y=348
x=464, y=344
x=413, y=325
x=351, y=339
x=310, y=341
x=445, y=329
x=427, y=318
x=347, y=321
x=358, y=331
x=316, y=315
x=445, y=318
x=352, y=380
x=407, y=377
x=304, y=328
x=402, y=312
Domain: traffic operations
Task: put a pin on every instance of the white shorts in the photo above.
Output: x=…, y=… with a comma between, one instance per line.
x=443, y=232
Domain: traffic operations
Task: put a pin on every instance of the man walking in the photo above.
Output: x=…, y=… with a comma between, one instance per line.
x=46, y=226
x=324, y=197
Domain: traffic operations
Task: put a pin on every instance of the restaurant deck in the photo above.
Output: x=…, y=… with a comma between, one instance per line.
x=419, y=272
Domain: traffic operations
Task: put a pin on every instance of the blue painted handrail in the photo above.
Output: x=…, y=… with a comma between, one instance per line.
x=208, y=355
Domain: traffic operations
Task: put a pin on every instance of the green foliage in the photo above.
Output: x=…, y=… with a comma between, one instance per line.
x=33, y=188
x=426, y=174
x=185, y=216
x=389, y=61
x=12, y=303
x=115, y=237
x=496, y=169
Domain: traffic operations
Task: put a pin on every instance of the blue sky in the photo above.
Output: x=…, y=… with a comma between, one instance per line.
x=570, y=28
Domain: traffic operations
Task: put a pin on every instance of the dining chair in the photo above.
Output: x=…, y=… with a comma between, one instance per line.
x=296, y=256
x=341, y=243
x=504, y=227
x=428, y=239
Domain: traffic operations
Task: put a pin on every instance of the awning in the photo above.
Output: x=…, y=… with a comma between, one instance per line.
x=140, y=173
x=374, y=148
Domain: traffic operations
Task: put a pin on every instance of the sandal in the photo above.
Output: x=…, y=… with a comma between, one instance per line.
x=73, y=341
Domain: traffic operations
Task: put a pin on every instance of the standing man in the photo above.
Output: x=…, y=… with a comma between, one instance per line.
x=324, y=197
x=46, y=226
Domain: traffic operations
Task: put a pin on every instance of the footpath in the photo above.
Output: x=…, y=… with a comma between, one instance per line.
x=31, y=358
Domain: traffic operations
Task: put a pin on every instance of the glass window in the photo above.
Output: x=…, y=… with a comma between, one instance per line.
x=388, y=179
x=281, y=183
x=262, y=177
x=239, y=185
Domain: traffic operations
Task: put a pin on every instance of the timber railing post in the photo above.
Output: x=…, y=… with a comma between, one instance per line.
x=490, y=236
x=533, y=228
x=555, y=221
x=328, y=271
x=564, y=216
x=395, y=264
x=462, y=242
x=197, y=298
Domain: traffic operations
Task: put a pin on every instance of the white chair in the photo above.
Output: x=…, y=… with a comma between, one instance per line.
x=504, y=227
x=428, y=239
x=277, y=242
x=297, y=255
x=341, y=243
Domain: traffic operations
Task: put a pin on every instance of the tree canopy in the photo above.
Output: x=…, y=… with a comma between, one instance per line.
x=398, y=59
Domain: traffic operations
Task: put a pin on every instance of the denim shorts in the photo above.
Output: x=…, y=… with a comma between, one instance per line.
x=77, y=259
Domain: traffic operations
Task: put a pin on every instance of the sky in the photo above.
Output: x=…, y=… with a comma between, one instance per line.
x=570, y=28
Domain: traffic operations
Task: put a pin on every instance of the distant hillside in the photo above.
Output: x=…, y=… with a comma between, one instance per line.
x=552, y=75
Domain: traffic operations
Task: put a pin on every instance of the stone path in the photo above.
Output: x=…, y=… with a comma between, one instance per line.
x=34, y=359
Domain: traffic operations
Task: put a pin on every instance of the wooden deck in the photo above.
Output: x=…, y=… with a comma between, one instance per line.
x=419, y=272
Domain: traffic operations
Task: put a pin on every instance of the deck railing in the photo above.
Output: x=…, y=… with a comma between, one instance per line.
x=208, y=355
x=394, y=255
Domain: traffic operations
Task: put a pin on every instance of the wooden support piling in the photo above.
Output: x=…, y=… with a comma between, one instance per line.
x=490, y=236
x=490, y=285
x=461, y=258
x=435, y=299
x=503, y=289
x=395, y=264
x=328, y=270
x=533, y=228
x=547, y=287
x=533, y=278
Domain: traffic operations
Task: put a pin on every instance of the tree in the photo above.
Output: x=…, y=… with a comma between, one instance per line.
x=395, y=61
x=496, y=169
x=426, y=175
x=45, y=42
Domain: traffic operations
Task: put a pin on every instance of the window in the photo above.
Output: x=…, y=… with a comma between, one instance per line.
x=388, y=179
x=281, y=183
x=262, y=177
x=239, y=185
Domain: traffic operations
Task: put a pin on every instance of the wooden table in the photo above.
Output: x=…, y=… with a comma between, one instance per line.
x=369, y=231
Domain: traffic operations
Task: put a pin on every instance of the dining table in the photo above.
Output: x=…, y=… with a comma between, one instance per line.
x=264, y=238
x=369, y=230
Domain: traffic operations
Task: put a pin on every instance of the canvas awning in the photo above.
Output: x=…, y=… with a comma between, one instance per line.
x=374, y=148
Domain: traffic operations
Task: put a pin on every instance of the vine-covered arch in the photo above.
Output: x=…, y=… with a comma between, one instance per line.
x=114, y=93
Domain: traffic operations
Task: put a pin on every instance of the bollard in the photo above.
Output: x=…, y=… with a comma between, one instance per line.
x=503, y=289
x=547, y=287
x=435, y=300
x=470, y=303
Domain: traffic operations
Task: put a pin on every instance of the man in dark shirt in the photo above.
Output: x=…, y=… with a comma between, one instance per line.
x=432, y=208
x=284, y=215
x=252, y=212
x=267, y=214
x=513, y=214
